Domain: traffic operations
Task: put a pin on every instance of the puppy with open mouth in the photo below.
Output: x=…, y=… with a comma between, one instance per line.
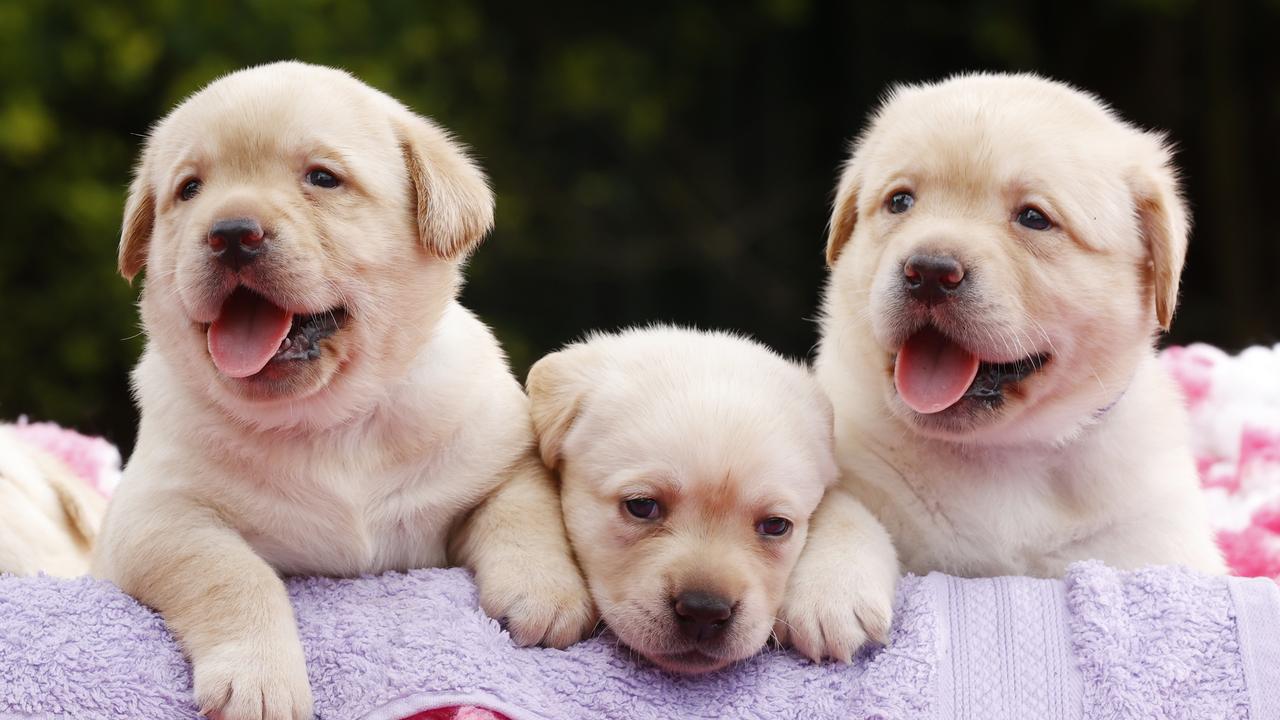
x=314, y=399
x=1003, y=252
x=693, y=466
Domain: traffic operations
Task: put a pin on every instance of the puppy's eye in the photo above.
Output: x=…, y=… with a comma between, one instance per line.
x=901, y=202
x=643, y=508
x=1032, y=219
x=189, y=189
x=774, y=526
x=323, y=178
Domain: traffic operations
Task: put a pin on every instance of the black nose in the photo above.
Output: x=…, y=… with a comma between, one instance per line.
x=931, y=279
x=702, y=616
x=236, y=242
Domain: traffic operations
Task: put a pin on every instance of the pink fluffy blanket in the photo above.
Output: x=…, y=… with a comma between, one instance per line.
x=1235, y=419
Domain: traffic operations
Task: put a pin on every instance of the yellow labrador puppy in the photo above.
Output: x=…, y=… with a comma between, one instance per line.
x=314, y=399
x=1003, y=250
x=693, y=466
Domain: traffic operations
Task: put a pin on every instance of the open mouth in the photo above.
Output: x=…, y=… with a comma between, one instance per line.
x=305, y=334
x=252, y=332
x=993, y=377
x=932, y=373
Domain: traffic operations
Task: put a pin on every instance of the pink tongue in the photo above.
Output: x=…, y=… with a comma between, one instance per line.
x=932, y=373
x=247, y=334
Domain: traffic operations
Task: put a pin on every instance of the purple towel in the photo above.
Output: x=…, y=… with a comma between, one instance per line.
x=1159, y=643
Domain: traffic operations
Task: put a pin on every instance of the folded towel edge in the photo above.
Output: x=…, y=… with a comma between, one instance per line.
x=1257, y=604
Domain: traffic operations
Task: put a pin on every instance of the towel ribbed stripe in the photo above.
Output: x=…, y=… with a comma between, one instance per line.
x=945, y=680
x=1257, y=602
x=1007, y=654
x=1070, y=684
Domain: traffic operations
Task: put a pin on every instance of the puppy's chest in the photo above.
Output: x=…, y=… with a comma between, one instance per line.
x=346, y=522
x=1015, y=519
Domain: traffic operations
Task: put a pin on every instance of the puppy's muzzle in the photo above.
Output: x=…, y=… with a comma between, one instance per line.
x=932, y=279
x=702, y=616
x=236, y=242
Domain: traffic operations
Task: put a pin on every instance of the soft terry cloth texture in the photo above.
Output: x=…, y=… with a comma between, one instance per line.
x=1101, y=644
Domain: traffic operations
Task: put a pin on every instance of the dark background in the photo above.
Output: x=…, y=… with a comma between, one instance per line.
x=653, y=161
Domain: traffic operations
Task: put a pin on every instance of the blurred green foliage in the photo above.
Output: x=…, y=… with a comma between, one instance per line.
x=662, y=161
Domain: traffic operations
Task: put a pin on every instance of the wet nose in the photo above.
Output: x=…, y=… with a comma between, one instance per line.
x=932, y=279
x=236, y=242
x=702, y=615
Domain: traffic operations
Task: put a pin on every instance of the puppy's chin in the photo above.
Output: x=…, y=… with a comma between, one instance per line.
x=294, y=379
x=690, y=662
x=659, y=640
x=969, y=419
x=695, y=660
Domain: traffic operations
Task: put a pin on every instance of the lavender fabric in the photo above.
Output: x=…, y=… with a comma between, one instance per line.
x=1159, y=643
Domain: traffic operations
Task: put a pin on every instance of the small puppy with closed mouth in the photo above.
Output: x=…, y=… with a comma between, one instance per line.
x=693, y=466
x=314, y=399
x=1004, y=251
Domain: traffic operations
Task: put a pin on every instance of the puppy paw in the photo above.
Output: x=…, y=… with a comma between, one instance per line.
x=546, y=604
x=253, y=680
x=834, y=616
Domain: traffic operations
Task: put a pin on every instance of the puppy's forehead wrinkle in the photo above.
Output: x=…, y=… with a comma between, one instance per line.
x=719, y=497
x=642, y=480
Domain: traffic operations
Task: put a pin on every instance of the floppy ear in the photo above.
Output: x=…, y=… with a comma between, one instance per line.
x=844, y=213
x=557, y=385
x=135, y=230
x=452, y=200
x=1165, y=225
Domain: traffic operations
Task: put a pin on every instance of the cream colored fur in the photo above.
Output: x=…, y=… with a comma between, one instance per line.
x=1087, y=458
x=407, y=443
x=723, y=433
x=49, y=517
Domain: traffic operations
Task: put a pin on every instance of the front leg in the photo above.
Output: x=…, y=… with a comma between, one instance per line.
x=227, y=608
x=841, y=591
x=516, y=545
